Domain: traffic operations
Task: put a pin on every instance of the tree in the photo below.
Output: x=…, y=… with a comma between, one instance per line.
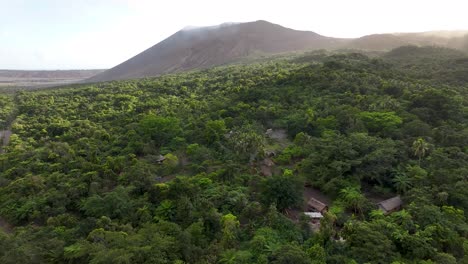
x=265, y=241
x=115, y=204
x=420, y=148
x=230, y=230
x=214, y=131
x=353, y=198
x=445, y=258
x=246, y=142
x=317, y=254
x=165, y=211
x=282, y=190
x=160, y=129
x=367, y=243
x=290, y=253
x=385, y=122
x=231, y=256
x=402, y=182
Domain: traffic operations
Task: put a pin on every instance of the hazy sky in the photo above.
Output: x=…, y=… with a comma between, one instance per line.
x=83, y=34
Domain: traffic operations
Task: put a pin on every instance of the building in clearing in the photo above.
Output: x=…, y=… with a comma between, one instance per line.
x=317, y=206
x=390, y=205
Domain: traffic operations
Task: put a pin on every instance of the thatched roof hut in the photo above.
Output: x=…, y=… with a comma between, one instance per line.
x=390, y=205
x=316, y=205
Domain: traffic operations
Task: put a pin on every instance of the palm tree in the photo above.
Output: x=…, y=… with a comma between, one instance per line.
x=377, y=214
x=165, y=210
x=228, y=257
x=402, y=182
x=353, y=197
x=420, y=148
x=404, y=219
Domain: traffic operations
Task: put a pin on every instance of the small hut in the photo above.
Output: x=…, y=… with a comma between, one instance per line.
x=266, y=167
x=160, y=159
x=316, y=205
x=390, y=205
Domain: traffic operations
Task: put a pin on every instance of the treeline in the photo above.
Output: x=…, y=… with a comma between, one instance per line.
x=167, y=170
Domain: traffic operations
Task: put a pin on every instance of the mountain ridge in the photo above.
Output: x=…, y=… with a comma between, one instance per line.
x=204, y=47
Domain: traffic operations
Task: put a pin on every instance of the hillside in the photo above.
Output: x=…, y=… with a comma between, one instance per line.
x=386, y=42
x=379, y=42
x=211, y=46
x=221, y=165
x=431, y=63
x=201, y=48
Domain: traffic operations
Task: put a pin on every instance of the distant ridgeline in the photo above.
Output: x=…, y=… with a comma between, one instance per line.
x=14, y=80
x=205, y=47
x=318, y=157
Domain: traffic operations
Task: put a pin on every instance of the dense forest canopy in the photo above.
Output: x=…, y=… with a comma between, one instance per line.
x=210, y=166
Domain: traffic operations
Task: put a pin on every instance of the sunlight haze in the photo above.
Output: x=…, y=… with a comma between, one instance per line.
x=88, y=34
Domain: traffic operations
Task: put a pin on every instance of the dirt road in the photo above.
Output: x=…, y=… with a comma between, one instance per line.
x=4, y=138
x=5, y=226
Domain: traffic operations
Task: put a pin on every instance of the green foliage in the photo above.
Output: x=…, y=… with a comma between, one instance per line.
x=420, y=148
x=214, y=131
x=115, y=204
x=336, y=160
x=353, y=198
x=282, y=190
x=230, y=230
x=247, y=143
x=290, y=254
x=384, y=122
x=7, y=108
x=83, y=180
x=317, y=254
x=160, y=129
x=402, y=182
x=368, y=243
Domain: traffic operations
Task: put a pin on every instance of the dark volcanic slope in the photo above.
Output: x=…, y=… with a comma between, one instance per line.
x=206, y=47
x=212, y=46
